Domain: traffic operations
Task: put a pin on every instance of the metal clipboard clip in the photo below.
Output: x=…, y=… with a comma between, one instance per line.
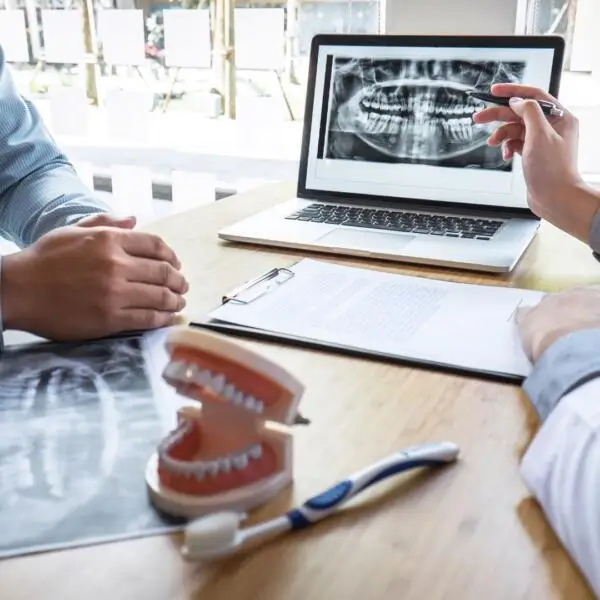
x=259, y=286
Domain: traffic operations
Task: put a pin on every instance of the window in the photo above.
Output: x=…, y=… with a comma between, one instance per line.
x=578, y=21
x=140, y=96
x=137, y=94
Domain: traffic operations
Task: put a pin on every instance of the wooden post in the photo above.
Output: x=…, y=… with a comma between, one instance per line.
x=230, y=74
x=225, y=55
x=91, y=51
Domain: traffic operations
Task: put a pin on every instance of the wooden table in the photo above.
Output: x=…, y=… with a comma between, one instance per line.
x=468, y=532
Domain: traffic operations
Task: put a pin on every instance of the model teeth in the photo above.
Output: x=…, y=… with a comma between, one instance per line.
x=255, y=452
x=184, y=373
x=191, y=372
x=224, y=465
x=202, y=377
x=229, y=392
x=213, y=468
x=176, y=370
x=218, y=384
x=240, y=461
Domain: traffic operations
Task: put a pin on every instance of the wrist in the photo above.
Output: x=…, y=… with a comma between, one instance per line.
x=14, y=291
x=581, y=205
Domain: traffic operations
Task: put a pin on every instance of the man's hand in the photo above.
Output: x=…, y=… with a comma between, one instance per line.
x=79, y=283
x=558, y=315
x=549, y=147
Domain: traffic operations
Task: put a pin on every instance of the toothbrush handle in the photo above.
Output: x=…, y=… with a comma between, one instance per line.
x=322, y=505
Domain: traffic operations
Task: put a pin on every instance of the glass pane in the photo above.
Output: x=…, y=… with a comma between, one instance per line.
x=335, y=17
x=551, y=16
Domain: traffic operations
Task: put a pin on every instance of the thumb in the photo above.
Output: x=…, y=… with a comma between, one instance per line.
x=124, y=222
x=107, y=220
x=531, y=113
x=521, y=313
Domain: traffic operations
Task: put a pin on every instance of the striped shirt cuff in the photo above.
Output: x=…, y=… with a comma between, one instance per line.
x=567, y=364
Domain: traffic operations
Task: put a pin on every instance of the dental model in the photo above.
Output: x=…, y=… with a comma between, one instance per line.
x=226, y=452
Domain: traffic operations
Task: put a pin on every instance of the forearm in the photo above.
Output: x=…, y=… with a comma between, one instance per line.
x=39, y=189
x=562, y=465
x=578, y=212
x=49, y=197
x=593, y=235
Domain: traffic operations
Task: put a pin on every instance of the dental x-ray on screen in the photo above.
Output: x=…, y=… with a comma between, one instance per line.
x=414, y=111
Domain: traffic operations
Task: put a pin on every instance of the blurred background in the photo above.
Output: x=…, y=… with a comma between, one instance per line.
x=165, y=105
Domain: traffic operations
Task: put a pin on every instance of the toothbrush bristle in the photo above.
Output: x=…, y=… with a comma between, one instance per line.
x=211, y=534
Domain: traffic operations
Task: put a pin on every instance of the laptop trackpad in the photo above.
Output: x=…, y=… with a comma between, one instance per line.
x=370, y=241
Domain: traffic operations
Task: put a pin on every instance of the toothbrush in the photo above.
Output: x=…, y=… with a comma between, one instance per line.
x=218, y=534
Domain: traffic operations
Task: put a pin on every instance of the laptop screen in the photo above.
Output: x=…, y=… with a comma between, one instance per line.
x=392, y=120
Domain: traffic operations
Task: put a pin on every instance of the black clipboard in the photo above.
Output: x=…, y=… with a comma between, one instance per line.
x=264, y=283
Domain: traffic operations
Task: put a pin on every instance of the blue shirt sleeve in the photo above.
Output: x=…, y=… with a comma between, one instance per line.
x=39, y=188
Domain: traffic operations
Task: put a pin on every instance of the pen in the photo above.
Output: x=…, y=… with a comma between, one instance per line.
x=548, y=108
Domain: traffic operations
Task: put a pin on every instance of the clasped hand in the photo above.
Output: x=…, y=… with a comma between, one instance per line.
x=90, y=280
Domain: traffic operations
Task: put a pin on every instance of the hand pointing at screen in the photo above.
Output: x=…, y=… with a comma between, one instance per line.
x=549, y=148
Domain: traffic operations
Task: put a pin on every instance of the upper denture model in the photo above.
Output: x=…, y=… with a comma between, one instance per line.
x=227, y=451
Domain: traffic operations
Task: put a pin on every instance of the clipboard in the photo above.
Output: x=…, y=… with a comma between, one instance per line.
x=267, y=282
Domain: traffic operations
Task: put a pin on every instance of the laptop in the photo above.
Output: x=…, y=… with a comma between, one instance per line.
x=392, y=166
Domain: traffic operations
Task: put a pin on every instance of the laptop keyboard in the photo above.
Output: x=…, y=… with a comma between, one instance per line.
x=395, y=220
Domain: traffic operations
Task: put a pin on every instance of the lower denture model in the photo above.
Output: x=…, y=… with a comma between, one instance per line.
x=228, y=450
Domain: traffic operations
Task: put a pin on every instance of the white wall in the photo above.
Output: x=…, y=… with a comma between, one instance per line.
x=586, y=43
x=485, y=17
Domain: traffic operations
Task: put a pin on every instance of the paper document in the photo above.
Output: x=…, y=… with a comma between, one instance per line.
x=458, y=325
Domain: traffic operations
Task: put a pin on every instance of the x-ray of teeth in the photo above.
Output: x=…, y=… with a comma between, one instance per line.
x=77, y=425
x=414, y=111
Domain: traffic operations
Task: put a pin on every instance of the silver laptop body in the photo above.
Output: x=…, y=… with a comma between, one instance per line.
x=393, y=167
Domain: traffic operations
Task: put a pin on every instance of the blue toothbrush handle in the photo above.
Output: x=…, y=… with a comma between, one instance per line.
x=322, y=505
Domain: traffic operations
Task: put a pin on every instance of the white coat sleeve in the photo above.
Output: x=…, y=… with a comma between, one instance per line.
x=561, y=467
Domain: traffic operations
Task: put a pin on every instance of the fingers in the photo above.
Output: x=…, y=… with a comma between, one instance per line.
x=509, y=131
x=510, y=148
x=153, y=297
x=506, y=114
x=493, y=114
x=524, y=109
x=146, y=245
x=522, y=91
x=531, y=113
x=145, y=270
x=521, y=313
x=105, y=220
x=141, y=319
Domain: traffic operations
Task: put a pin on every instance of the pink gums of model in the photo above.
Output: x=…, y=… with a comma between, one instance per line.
x=223, y=454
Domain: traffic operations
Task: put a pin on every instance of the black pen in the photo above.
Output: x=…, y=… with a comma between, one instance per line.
x=549, y=108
